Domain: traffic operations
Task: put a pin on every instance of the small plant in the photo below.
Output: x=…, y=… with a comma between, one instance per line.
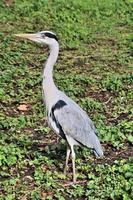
x=91, y=105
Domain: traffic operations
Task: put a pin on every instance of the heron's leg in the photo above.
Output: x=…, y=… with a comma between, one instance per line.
x=67, y=158
x=73, y=164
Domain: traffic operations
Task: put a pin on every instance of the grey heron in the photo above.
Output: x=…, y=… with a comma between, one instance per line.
x=65, y=117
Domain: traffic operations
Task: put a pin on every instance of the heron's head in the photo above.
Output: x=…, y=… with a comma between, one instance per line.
x=43, y=37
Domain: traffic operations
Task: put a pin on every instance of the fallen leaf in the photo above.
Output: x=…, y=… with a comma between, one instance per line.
x=8, y=2
x=23, y=197
x=43, y=194
x=22, y=107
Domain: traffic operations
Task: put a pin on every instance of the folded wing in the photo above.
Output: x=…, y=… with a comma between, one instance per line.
x=75, y=123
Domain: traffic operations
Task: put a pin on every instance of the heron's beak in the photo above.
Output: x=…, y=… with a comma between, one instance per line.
x=33, y=37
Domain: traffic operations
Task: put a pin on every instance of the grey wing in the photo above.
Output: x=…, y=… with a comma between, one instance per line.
x=75, y=123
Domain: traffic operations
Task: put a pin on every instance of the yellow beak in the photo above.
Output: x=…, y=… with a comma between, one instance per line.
x=32, y=37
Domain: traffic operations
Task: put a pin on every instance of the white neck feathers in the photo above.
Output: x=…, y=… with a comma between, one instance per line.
x=54, y=50
x=49, y=88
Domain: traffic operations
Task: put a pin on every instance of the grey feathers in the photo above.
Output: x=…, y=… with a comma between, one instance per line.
x=75, y=123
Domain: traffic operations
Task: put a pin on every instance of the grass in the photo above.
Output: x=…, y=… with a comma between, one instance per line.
x=95, y=69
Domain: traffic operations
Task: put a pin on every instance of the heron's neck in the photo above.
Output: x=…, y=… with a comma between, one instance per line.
x=48, y=68
x=49, y=88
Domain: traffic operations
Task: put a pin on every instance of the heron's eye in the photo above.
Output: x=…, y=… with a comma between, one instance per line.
x=43, y=35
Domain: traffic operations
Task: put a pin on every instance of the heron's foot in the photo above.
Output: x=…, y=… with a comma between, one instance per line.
x=69, y=183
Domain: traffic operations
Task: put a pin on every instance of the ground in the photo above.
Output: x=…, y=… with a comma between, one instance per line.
x=95, y=69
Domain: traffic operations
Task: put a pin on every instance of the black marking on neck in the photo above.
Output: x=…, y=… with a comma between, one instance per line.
x=50, y=35
x=60, y=104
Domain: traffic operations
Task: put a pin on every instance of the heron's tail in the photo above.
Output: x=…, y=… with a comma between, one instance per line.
x=97, y=148
x=98, y=153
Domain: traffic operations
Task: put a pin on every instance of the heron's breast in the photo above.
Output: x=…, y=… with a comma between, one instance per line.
x=52, y=124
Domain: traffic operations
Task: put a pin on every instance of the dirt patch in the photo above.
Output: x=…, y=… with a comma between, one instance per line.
x=122, y=116
x=101, y=96
x=111, y=154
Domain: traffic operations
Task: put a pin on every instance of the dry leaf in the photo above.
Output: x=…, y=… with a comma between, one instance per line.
x=24, y=198
x=8, y=2
x=22, y=107
x=43, y=194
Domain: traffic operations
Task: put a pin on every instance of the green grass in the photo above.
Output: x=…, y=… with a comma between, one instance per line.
x=95, y=69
